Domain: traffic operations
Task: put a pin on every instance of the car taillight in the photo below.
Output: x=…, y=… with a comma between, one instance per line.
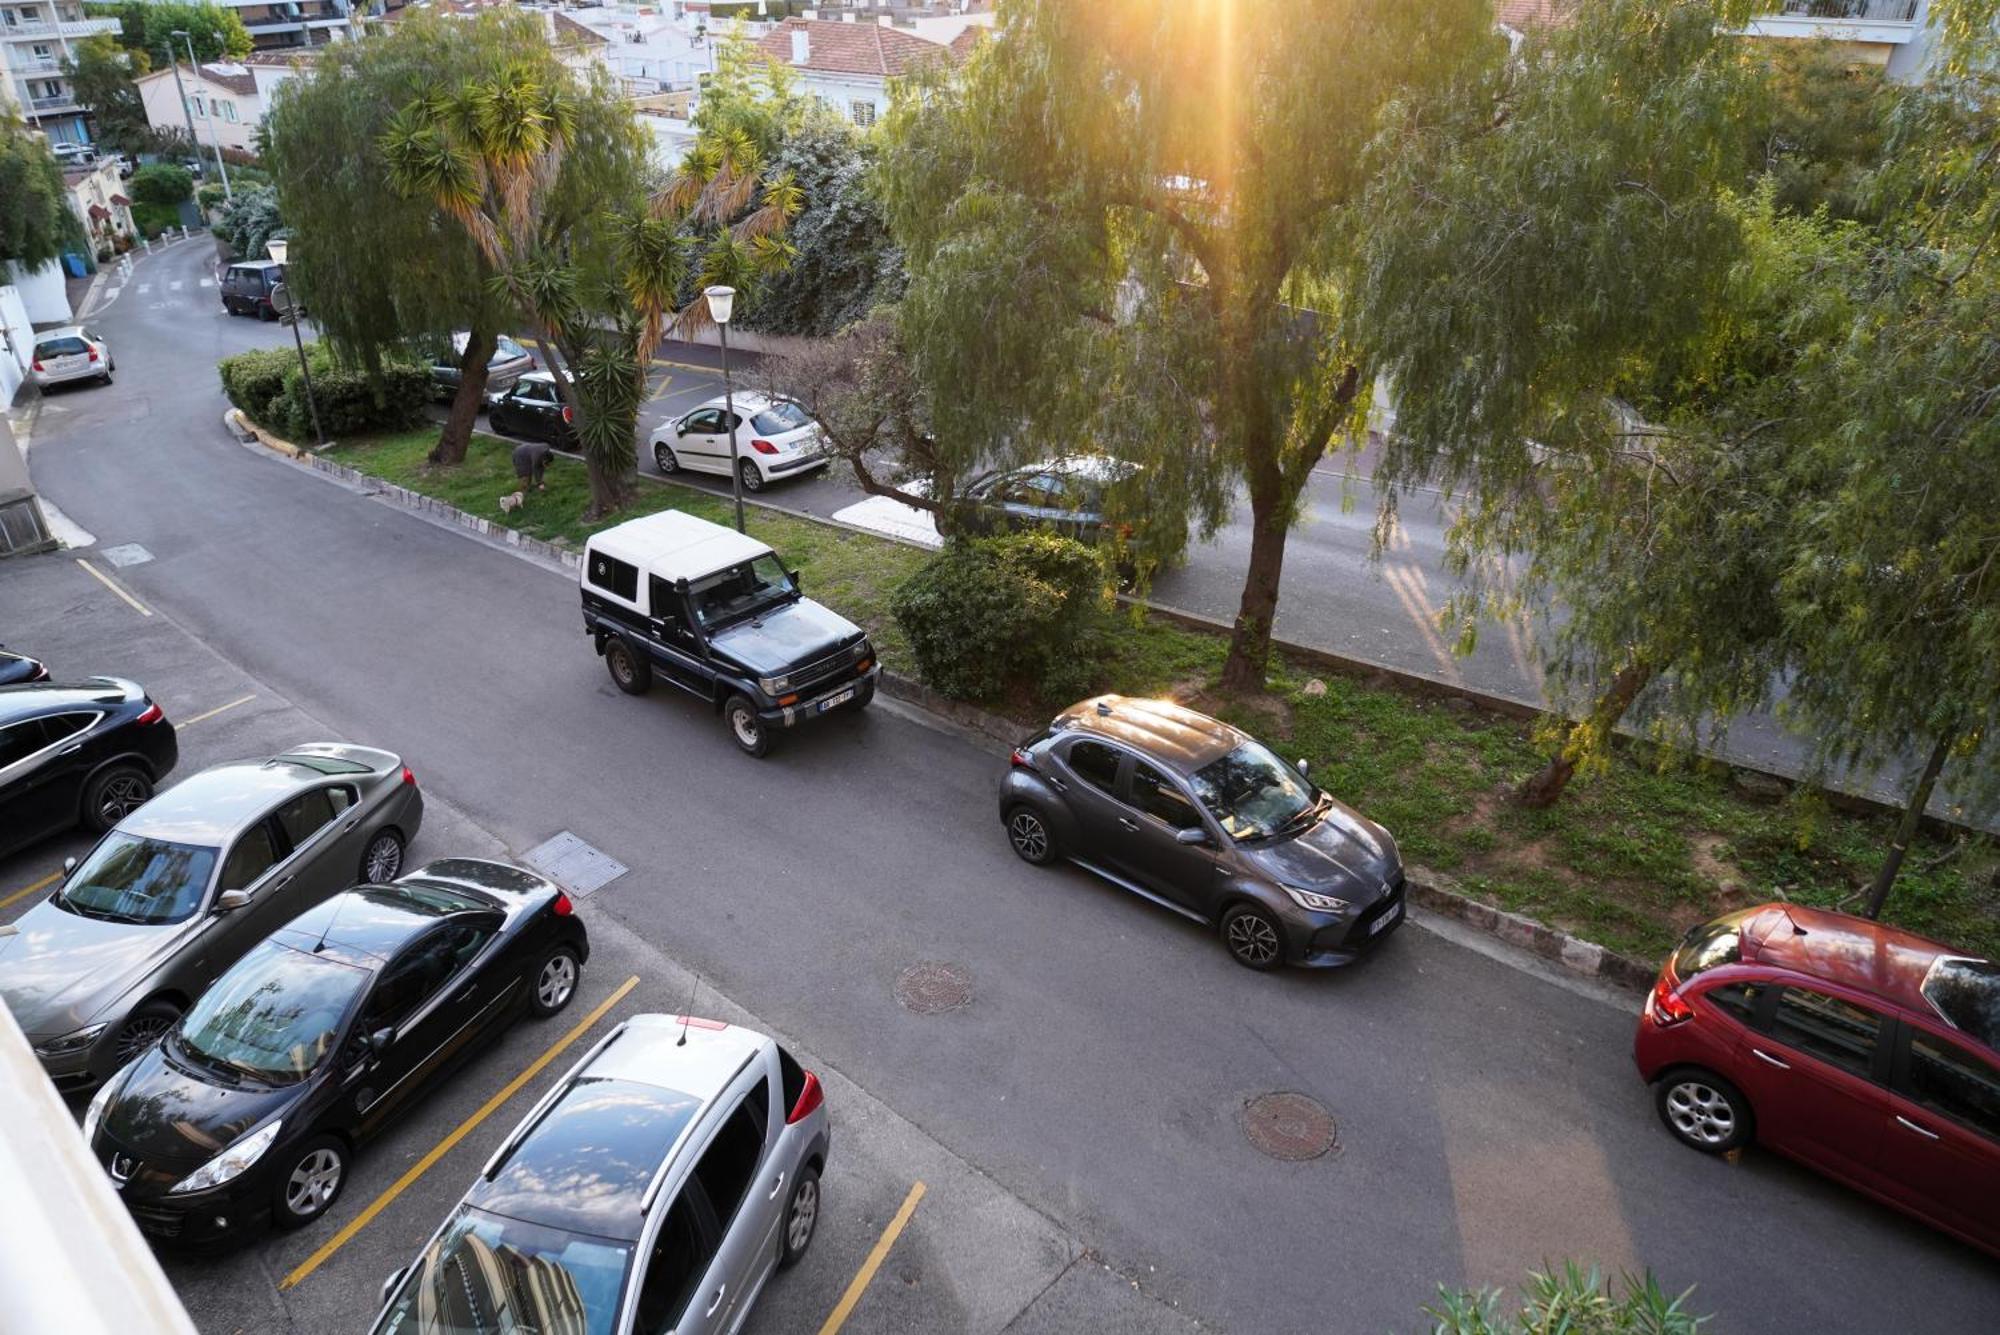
x=562, y=906
x=763, y=447
x=93, y=354
x=153, y=714
x=808, y=1103
x=409, y=777
x=37, y=364
x=41, y=673
x=1021, y=759
x=1668, y=1009
x=569, y=413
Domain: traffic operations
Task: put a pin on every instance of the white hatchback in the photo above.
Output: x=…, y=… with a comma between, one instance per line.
x=775, y=438
x=68, y=354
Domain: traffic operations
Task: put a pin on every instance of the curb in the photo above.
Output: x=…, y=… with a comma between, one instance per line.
x=1440, y=894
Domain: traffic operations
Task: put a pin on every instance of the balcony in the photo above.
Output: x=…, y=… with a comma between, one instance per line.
x=41, y=28
x=49, y=106
x=1862, y=11
x=1880, y=23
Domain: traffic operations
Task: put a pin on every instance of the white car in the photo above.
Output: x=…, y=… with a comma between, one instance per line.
x=70, y=353
x=74, y=155
x=774, y=438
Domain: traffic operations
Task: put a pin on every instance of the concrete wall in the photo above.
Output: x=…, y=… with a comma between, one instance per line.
x=17, y=343
x=42, y=292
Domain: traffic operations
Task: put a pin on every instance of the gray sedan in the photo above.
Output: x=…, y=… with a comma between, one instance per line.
x=177, y=891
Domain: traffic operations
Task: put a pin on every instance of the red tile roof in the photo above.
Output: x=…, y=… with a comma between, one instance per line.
x=834, y=47
x=568, y=32
x=1521, y=15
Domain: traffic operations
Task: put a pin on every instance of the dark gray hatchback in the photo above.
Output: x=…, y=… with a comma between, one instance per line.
x=1205, y=820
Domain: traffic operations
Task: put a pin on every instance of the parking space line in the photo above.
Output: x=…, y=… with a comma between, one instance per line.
x=198, y=718
x=25, y=891
x=444, y=1147
x=859, y=1284
x=112, y=585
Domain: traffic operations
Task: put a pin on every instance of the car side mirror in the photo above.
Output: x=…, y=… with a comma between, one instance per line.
x=231, y=900
x=69, y=866
x=680, y=428
x=793, y=575
x=1196, y=835
x=1305, y=766
x=382, y=1039
x=391, y=1284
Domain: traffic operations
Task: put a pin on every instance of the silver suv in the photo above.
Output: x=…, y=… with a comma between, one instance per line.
x=657, y=1187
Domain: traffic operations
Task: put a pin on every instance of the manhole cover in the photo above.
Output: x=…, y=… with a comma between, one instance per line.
x=1288, y=1126
x=575, y=865
x=933, y=987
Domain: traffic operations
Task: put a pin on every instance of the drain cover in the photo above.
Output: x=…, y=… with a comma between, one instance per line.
x=934, y=986
x=127, y=554
x=1288, y=1126
x=575, y=865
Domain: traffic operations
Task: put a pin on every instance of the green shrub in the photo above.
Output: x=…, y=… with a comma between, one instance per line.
x=160, y=183
x=991, y=615
x=269, y=387
x=251, y=380
x=153, y=219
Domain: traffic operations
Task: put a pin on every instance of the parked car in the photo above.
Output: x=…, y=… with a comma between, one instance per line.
x=183, y=885
x=15, y=668
x=1064, y=495
x=1206, y=821
x=716, y=613
x=247, y=288
x=72, y=753
x=1866, y=1052
x=510, y=361
x=658, y=1187
x=250, y=1107
x=71, y=353
x=533, y=407
x=74, y=155
x=775, y=438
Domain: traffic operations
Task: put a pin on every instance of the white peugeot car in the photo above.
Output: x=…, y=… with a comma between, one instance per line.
x=70, y=353
x=774, y=438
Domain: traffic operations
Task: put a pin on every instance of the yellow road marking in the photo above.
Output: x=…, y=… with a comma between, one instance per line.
x=713, y=372
x=25, y=891
x=443, y=1147
x=859, y=1285
x=217, y=710
x=112, y=585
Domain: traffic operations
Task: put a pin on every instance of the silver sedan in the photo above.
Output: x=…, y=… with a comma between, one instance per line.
x=69, y=354
x=177, y=891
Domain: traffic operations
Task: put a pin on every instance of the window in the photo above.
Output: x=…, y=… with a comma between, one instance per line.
x=228, y=111
x=1837, y=1032
x=409, y=982
x=462, y=943
x=341, y=799
x=740, y=590
x=274, y=1015
x=251, y=858
x=680, y=1258
x=59, y=727
x=614, y=576
x=61, y=347
x=138, y=881
x=791, y=1080
x=1253, y=794
x=305, y=816
x=707, y=422
x=862, y=112
x=1157, y=795
x=18, y=741
x=663, y=601
x=779, y=418
x=730, y=1160
x=1095, y=763
x=459, y=1284
x=1738, y=999
x=1967, y=994
x=199, y=109
x=1954, y=1083
x=1038, y=491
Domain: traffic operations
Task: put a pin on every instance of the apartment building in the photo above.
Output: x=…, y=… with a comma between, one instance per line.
x=36, y=36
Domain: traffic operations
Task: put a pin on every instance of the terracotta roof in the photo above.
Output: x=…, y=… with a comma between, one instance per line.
x=1521, y=15
x=235, y=78
x=99, y=212
x=283, y=56
x=121, y=201
x=568, y=32
x=834, y=47
x=961, y=45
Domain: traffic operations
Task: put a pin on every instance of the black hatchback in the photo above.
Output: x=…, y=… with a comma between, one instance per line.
x=250, y=1108
x=89, y=752
x=534, y=408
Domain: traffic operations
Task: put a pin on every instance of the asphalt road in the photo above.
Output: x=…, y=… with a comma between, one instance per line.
x=1488, y=1117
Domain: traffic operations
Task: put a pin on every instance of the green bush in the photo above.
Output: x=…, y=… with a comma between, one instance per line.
x=153, y=219
x=269, y=387
x=160, y=183
x=251, y=380
x=993, y=615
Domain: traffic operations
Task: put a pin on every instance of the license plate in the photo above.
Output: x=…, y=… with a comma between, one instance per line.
x=1386, y=921
x=832, y=700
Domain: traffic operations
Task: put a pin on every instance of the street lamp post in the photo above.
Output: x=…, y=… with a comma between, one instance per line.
x=279, y=248
x=213, y=142
x=721, y=302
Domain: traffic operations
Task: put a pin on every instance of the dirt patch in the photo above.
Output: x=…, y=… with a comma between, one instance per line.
x=1728, y=882
x=1270, y=714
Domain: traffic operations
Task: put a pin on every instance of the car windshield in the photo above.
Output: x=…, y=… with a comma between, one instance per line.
x=274, y=1016
x=507, y=350
x=739, y=590
x=1254, y=794
x=491, y=1275
x=779, y=418
x=61, y=347
x=1967, y=993
x=129, y=879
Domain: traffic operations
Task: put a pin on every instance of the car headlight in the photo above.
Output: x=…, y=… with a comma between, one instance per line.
x=229, y=1164
x=774, y=685
x=1318, y=903
x=95, y=1112
x=70, y=1044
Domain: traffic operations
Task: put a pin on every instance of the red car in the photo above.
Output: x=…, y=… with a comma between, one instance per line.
x=1865, y=1052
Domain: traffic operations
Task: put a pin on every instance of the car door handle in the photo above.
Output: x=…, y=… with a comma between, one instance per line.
x=777, y=1187
x=1923, y=1131
x=1058, y=784
x=71, y=749
x=351, y=826
x=281, y=882
x=1127, y=823
x=1762, y=1055
x=716, y=1301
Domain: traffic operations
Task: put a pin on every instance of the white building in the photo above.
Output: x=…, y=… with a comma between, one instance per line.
x=37, y=36
x=1892, y=34
x=847, y=63
x=227, y=100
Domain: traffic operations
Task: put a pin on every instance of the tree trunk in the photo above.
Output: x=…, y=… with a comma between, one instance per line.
x=1906, y=831
x=610, y=487
x=1250, y=640
x=457, y=434
x=1547, y=784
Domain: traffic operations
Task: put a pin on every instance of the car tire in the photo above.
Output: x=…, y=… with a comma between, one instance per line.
x=1704, y=1111
x=555, y=982
x=1031, y=836
x=382, y=859
x=267, y=313
x=801, y=1218
x=630, y=672
x=143, y=1028
x=665, y=459
x=1253, y=937
x=113, y=793
x=753, y=476
x=309, y=1182
x=745, y=728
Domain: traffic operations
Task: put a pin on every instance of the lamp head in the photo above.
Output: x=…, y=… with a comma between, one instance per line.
x=278, y=246
x=721, y=302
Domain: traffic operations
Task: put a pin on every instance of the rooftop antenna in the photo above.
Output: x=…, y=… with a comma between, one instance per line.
x=331, y=919
x=688, y=1013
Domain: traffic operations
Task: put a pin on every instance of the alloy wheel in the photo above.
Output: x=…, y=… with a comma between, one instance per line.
x=140, y=1033
x=313, y=1182
x=385, y=859
x=805, y=1213
x=1028, y=835
x=664, y=458
x=753, y=480
x=123, y=795
x=1252, y=939
x=557, y=981
x=1700, y=1113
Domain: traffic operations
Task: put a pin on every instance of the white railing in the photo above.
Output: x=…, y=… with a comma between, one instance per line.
x=1851, y=11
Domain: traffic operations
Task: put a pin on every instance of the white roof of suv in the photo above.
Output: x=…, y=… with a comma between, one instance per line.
x=676, y=545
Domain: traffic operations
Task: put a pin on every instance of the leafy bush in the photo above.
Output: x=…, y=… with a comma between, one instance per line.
x=844, y=262
x=991, y=615
x=250, y=221
x=1575, y=1301
x=268, y=386
x=160, y=183
x=251, y=380
x=153, y=219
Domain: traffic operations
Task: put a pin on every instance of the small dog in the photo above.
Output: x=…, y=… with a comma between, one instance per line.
x=509, y=504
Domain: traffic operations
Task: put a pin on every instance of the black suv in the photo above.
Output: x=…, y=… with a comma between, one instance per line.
x=714, y=612
x=87, y=751
x=1202, y=819
x=247, y=288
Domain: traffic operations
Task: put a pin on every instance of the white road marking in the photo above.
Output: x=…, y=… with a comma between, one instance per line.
x=144, y=288
x=207, y=282
x=174, y=286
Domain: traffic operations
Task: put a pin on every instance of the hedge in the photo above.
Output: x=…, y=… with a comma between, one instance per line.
x=269, y=388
